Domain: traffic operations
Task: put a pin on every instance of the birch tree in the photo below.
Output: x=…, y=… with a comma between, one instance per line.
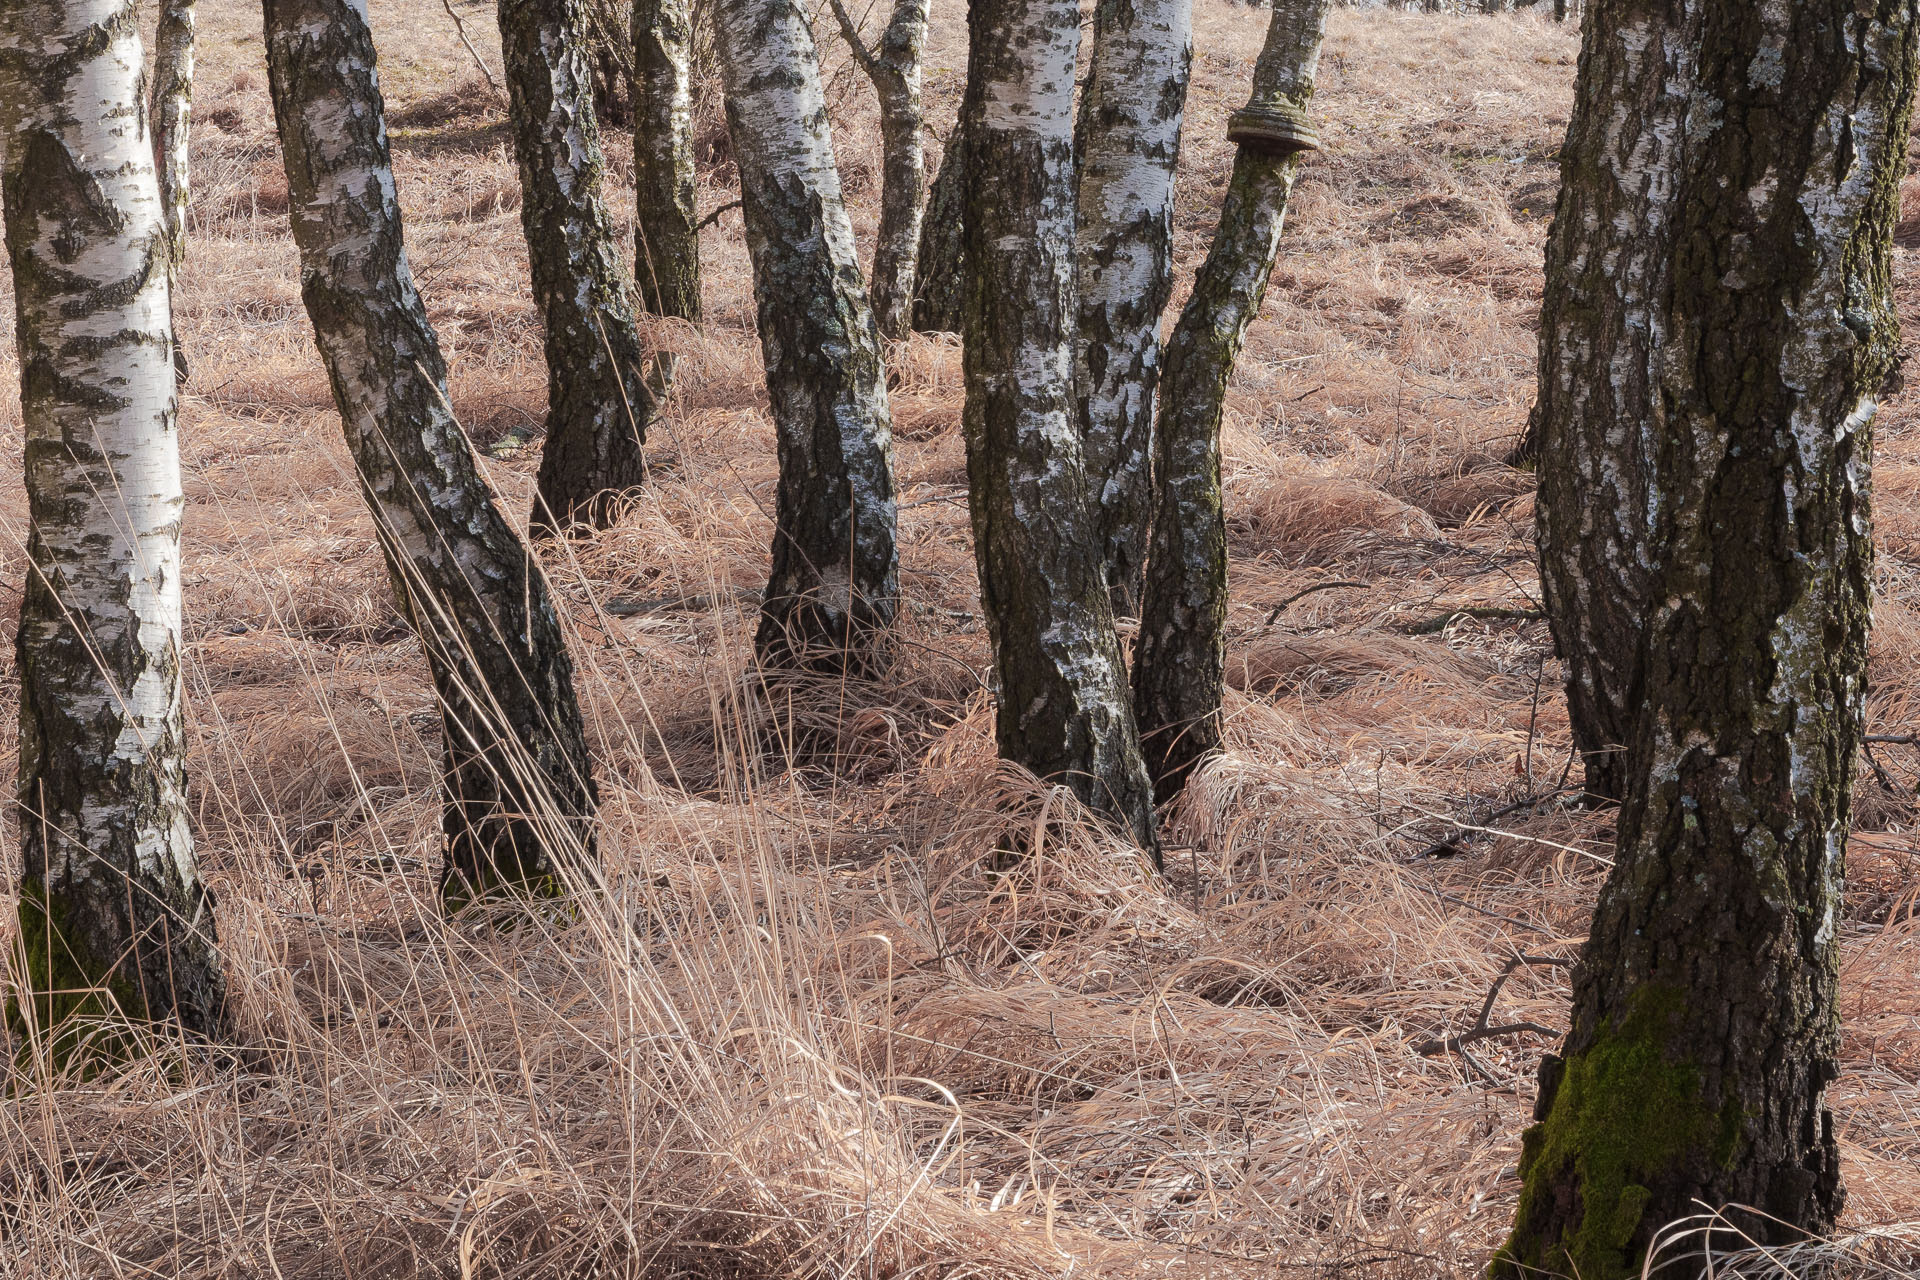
x=598, y=403
x=1059, y=677
x=893, y=67
x=1128, y=142
x=831, y=595
x=519, y=795
x=1179, y=660
x=940, y=262
x=114, y=921
x=1762, y=147
x=172, y=129
x=667, y=262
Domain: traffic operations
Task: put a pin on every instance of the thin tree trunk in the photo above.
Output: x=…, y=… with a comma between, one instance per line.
x=941, y=263
x=835, y=575
x=114, y=922
x=172, y=127
x=667, y=257
x=894, y=70
x=1128, y=142
x=520, y=798
x=1060, y=679
x=598, y=403
x=1179, y=661
x=1763, y=146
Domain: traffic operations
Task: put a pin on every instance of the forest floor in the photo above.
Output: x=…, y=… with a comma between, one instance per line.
x=803, y=1027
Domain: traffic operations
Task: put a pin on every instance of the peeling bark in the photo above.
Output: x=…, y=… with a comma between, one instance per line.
x=835, y=579
x=1762, y=147
x=1059, y=677
x=114, y=922
x=520, y=798
x=667, y=256
x=1128, y=143
x=598, y=404
x=1179, y=659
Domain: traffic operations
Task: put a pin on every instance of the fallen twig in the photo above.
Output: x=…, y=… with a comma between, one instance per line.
x=1301, y=595
x=478, y=61
x=1481, y=1030
x=1440, y=621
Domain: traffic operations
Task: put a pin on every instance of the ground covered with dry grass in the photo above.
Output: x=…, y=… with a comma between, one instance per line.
x=806, y=1022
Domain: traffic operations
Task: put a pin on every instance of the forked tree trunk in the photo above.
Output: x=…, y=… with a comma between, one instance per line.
x=520, y=798
x=1179, y=659
x=894, y=69
x=114, y=922
x=1060, y=682
x=1704, y=1026
x=172, y=129
x=941, y=262
x=598, y=403
x=835, y=575
x=1128, y=142
x=667, y=253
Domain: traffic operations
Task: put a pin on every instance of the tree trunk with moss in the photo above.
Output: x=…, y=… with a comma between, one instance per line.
x=1128, y=142
x=941, y=262
x=894, y=69
x=1704, y=1028
x=835, y=579
x=598, y=405
x=114, y=922
x=520, y=799
x=1179, y=659
x=1059, y=677
x=667, y=243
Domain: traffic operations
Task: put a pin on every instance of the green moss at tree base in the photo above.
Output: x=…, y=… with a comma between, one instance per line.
x=76, y=1011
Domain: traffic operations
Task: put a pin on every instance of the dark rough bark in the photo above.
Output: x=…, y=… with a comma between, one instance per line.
x=172, y=128
x=894, y=69
x=832, y=593
x=939, y=289
x=1179, y=659
x=598, y=404
x=1704, y=1027
x=114, y=922
x=520, y=799
x=667, y=256
x=1059, y=677
x=1128, y=143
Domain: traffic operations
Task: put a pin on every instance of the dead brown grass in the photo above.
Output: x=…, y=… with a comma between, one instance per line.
x=807, y=1021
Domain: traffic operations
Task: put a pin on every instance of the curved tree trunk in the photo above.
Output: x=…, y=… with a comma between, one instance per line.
x=894, y=70
x=172, y=128
x=1704, y=1026
x=1128, y=142
x=941, y=262
x=1179, y=659
x=1060, y=680
x=520, y=798
x=835, y=566
x=114, y=922
x=598, y=405
x=667, y=254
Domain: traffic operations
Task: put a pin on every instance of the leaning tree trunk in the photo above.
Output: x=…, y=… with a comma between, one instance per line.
x=1060, y=679
x=666, y=235
x=835, y=575
x=520, y=799
x=598, y=404
x=1704, y=1026
x=941, y=262
x=172, y=129
x=1128, y=142
x=894, y=69
x=1179, y=660
x=114, y=922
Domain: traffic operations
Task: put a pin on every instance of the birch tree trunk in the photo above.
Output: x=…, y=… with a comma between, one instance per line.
x=114, y=922
x=598, y=403
x=1179, y=659
x=1128, y=142
x=894, y=69
x=1765, y=145
x=835, y=575
x=667, y=257
x=1060, y=680
x=172, y=129
x=520, y=798
x=940, y=263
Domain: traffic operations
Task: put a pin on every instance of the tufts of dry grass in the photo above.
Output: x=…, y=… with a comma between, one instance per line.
x=808, y=1018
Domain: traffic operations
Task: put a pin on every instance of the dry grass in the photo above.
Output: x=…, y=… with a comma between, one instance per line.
x=801, y=1025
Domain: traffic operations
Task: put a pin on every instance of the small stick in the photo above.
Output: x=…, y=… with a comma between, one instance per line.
x=478, y=61
x=1480, y=1030
x=1301, y=595
x=1438, y=623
